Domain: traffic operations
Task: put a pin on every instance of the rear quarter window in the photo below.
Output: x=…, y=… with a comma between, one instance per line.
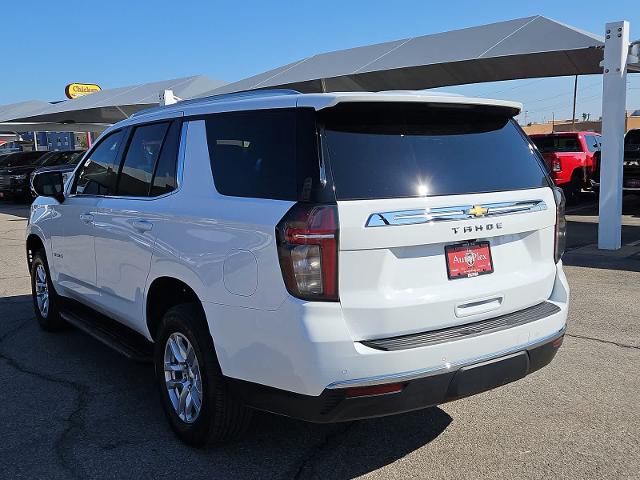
x=264, y=154
x=410, y=150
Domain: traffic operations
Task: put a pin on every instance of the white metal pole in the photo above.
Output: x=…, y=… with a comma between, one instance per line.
x=614, y=96
x=167, y=98
x=35, y=141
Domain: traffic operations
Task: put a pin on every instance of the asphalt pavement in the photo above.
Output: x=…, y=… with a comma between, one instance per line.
x=72, y=408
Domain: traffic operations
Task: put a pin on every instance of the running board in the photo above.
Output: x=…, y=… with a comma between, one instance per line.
x=112, y=334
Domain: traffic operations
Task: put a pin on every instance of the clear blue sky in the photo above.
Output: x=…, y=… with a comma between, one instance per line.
x=117, y=43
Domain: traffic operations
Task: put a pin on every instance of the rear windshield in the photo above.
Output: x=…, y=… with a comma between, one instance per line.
x=399, y=150
x=557, y=143
x=60, y=158
x=23, y=159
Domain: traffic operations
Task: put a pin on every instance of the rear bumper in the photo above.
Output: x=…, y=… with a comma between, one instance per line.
x=334, y=405
x=307, y=349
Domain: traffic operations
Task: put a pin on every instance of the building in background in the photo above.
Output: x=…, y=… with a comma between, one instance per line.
x=52, y=140
x=632, y=121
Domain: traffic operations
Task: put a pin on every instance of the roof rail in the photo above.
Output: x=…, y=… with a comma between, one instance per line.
x=267, y=92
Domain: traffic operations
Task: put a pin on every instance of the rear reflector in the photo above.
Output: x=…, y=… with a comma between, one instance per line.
x=557, y=342
x=375, y=390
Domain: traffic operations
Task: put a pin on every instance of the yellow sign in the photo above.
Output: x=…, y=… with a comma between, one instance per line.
x=75, y=90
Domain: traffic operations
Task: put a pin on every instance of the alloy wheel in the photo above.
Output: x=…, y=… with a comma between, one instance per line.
x=182, y=377
x=42, y=290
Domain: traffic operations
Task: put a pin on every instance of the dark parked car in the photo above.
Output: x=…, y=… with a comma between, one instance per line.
x=2, y=158
x=63, y=162
x=631, y=163
x=631, y=167
x=15, y=170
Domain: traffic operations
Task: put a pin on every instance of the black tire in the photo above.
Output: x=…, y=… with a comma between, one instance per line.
x=50, y=319
x=573, y=189
x=221, y=416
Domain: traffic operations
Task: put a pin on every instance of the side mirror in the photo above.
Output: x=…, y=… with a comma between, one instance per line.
x=49, y=184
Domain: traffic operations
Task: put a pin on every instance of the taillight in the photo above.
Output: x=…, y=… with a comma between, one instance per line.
x=307, y=239
x=561, y=224
x=556, y=166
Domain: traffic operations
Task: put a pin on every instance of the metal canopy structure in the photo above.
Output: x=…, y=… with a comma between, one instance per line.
x=22, y=109
x=112, y=105
x=522, y=48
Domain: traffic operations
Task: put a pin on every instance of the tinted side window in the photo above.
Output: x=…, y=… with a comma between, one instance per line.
x=592, y=143
x=164, y=178
x=137, y=169
x=253, y=154
x=97, y=174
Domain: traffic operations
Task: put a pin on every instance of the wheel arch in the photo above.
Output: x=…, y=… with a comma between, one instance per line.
x=33, y=244
x=163, y=293
x=580, y=172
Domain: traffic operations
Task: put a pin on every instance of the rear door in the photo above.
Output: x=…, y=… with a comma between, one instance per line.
x=126, y=221
x=421, y=190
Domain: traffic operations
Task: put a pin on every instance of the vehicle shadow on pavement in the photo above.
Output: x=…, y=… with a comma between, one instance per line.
x=20, y=210
x=80, y=409
x=582, y=237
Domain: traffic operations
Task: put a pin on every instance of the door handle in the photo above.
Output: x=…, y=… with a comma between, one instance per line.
x=142, y=225
x=86, y=218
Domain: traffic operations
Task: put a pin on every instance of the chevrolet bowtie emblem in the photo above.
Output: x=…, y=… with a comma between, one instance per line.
x=478, y=211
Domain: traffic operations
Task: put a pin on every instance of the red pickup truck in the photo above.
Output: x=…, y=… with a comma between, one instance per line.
x=571, y=158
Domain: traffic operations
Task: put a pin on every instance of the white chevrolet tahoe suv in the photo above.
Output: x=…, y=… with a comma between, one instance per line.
x=328, y=257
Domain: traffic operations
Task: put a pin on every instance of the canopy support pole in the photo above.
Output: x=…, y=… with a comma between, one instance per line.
x=575, y=97
x=614, y=96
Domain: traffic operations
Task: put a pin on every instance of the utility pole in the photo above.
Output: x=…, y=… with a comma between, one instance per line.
x=575, y=96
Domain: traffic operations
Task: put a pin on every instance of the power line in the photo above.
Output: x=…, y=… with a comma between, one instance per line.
x=586, y=87
x=563, y=104
x=494, y=92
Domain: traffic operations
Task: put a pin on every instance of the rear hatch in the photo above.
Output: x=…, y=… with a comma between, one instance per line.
x=413, y=179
